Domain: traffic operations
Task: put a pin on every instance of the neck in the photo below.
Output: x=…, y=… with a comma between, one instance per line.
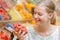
x=43, y=29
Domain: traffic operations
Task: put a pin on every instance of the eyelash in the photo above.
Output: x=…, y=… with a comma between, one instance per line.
x=38, y=14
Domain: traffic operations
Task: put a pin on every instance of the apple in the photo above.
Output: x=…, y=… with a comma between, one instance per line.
x=4, y=5
x=6, y=17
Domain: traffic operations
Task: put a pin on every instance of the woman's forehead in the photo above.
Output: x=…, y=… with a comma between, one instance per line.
x=40, y=8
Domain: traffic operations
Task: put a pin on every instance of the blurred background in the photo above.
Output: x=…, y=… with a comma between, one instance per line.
x=15, y=14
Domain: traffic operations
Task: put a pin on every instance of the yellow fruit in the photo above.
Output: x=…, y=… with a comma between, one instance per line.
x=32, y=22
x=23, y=16
x=13, y=15
x=29, y=16
x=30, y=6
x=19, y=7
x=24, y=12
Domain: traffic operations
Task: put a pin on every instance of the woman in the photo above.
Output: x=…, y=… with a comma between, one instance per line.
x=45, y=28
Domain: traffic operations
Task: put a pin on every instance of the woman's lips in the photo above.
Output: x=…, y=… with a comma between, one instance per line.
x=37, y=20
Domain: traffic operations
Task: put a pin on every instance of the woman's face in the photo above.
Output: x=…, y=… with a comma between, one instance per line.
x=41, y=16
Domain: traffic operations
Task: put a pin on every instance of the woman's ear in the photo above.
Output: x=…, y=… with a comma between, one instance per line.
x=50, y=15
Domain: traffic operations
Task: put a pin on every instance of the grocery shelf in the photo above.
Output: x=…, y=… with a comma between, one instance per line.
x=15, y=20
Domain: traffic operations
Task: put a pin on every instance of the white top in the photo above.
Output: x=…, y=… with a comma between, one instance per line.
x=32, y=35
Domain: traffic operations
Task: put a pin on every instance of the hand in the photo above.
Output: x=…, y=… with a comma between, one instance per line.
x=22, y=33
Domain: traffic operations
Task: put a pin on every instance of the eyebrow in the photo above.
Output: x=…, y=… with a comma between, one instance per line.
x=40, y=10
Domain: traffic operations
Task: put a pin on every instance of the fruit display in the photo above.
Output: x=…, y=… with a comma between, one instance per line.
x=3, y=4
x=7, y=4
x=17, y=16
x=19, y=7
x=13, y=15
x=29, y=6
x=19, y=28
x=23, y=13
x=3, y=36
x=4, y=15
x=11, y=12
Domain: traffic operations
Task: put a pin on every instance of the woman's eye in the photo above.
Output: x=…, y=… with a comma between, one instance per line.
x=40, y=14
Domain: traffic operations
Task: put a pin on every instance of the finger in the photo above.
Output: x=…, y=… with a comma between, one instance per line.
x=22, y=33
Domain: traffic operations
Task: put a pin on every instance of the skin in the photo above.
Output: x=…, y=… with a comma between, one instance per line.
x=42, y=18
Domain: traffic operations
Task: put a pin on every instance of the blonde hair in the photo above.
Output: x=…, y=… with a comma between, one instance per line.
x=50, y=8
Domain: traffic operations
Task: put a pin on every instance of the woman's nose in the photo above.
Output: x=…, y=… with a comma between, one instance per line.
x=35, y=16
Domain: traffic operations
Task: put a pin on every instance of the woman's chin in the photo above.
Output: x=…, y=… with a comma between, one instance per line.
x=39, y=23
